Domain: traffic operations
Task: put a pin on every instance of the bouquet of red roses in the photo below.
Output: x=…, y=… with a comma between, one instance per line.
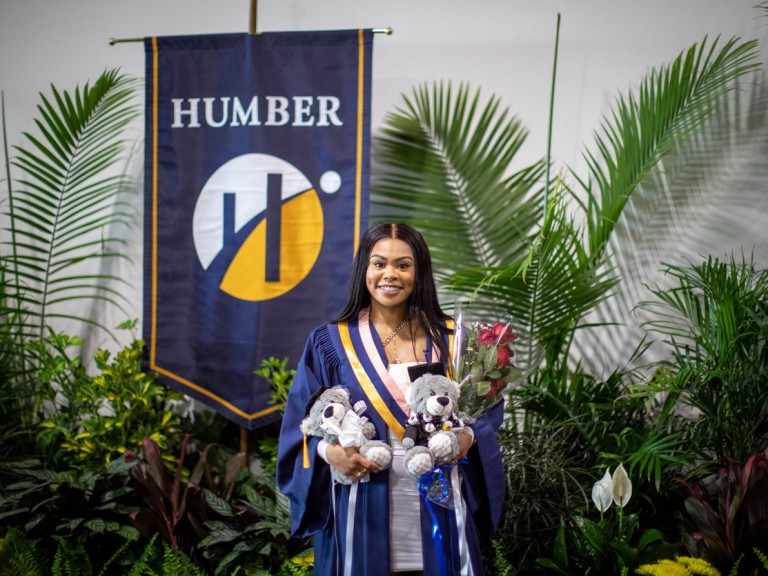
x=484, y=367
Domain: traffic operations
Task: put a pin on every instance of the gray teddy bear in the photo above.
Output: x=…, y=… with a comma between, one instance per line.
x=335, y=420
x=431, y=435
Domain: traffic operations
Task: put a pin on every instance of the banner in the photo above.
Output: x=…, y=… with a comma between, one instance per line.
x=256, y=194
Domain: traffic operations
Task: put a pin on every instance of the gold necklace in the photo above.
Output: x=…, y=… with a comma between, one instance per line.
x=389, y=338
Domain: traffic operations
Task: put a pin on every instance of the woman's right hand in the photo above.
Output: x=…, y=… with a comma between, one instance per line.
x=349, y=461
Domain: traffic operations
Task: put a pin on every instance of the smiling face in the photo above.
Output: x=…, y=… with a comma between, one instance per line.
x=391, y=274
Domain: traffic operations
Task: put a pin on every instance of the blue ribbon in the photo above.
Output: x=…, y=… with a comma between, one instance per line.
x=441, y=475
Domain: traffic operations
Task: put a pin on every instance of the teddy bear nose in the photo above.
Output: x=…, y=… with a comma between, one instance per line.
x=328, y=412
x=443, y=400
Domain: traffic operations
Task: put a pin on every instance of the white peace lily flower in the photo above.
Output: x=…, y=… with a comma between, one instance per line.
x=622, y=487
x=602, y=492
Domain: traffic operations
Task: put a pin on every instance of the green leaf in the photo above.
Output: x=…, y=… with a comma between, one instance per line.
x=483, y=388
x=218, y=504
x=218, y=536
x=129, y=533
x=592, y=532
x=649, y=537
x=561, y=553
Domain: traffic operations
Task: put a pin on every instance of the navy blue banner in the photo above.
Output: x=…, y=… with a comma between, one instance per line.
x=256, y=194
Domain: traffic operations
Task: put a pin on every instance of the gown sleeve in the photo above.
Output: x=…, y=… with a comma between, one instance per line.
x=484, y=473
x=308, y=489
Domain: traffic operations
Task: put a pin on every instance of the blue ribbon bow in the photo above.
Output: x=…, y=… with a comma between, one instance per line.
x=434, y=487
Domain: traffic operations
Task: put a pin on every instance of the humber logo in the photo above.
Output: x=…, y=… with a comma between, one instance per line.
x=265, y=217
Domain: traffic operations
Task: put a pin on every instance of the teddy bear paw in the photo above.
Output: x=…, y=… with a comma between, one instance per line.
x=377, y=452
x=419, y=463
x=444, y=447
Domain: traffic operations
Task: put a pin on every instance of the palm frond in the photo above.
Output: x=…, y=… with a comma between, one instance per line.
x=707, y=198
x=66, y=200
x=447, y=159
x=659, y=449
x=671, y=105
x=570, y=273
x=547, y=296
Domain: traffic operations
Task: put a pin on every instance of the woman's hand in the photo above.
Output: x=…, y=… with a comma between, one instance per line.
x=466, y=439
x=349, y=461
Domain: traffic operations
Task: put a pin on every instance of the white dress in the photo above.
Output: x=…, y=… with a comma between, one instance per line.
x=405, y=551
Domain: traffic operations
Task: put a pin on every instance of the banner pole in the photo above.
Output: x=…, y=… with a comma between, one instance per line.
x=112, y=41
x=244, y=446
x=253, y=17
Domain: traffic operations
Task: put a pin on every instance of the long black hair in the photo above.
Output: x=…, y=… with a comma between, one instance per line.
x=422, y=303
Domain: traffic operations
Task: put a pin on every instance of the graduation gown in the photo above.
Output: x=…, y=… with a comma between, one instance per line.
x=350, y=523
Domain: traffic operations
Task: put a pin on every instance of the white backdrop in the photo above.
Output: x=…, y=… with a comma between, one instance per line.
x=504, y=47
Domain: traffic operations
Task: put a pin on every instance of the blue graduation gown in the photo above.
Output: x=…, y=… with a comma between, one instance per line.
x=334, y=355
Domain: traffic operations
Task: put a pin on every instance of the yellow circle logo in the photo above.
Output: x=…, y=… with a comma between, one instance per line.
x=274, y=198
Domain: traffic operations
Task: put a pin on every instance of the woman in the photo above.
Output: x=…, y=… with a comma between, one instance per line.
x=381, y=525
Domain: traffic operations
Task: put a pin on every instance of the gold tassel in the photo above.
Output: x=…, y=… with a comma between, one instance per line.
x=306, y=450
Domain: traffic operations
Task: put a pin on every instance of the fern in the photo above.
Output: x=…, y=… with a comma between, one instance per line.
x=244, y=571
x=168, y=563
x=115, y=556
x=735, y=569
x=762, y=557
x=70, y=560
x=290, y=568
x=177, y=564
x=142, y=565
x=501, y=565
x=21, y=555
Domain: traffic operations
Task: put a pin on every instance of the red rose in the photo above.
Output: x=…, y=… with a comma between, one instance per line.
x=485, y=335
x=503, y=333
x=505, y=356
x=497, y=385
